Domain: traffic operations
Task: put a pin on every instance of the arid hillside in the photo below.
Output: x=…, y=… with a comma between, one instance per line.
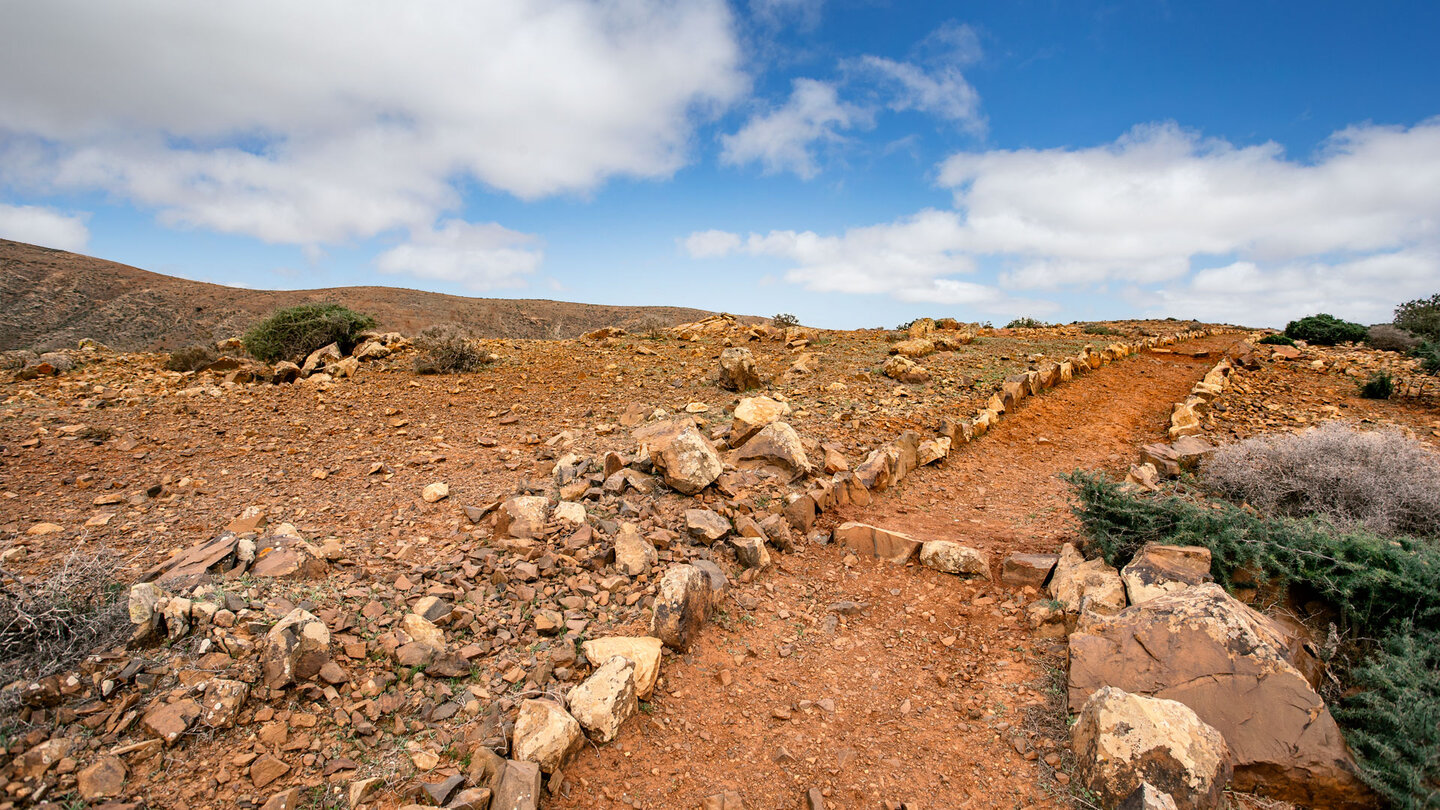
x=52, y=298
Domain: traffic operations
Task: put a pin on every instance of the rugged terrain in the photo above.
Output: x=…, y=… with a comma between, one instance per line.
x=826, y=676
x=51, y=298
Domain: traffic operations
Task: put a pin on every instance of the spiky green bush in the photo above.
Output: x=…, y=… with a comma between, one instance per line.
x=1277, y=339
x=1325, y=330
x=1025, y=323
x=1429, y=354
x=1380, y=386
x=293, y=333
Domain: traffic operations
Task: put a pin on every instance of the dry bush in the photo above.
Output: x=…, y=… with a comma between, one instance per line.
x=191, y=358
x=48, y=624
x=1391, y=338
x=1378, y=479
x=448, y=348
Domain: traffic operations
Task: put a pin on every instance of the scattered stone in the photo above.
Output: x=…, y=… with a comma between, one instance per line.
x=223, y=701
x=737, y=370
x=1082, y=585
x=438, y=491
x=682, y=603
x=953, y=558
x=685, y=459
x=706, y=525
x=266, y=769
x=1027, y=570
x=168, y=721
x=750, y=552
x=103, y=779
x=871, y=541
x=523, y=516
x=295, y=649
x=546, y=734
x=634, y=555
x=903, y=369
x=777, y=444
x=752, y=414
x=642, y=651
x=518, y=787
x=605, y=700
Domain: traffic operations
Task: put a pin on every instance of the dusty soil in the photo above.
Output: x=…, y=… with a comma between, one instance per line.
x=122, y=456
x=934, y=694
x=51, y=298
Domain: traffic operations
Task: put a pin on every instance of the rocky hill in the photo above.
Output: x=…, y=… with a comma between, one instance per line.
x=52, y=298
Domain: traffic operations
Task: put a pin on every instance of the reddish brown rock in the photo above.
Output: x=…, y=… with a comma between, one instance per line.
x=871, y=541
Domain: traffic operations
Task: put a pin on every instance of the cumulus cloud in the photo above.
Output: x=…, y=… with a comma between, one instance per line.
x=933, y=81
x=1184, y=224
x=325, y=121
x=43, y=226
x=480, y=256
x=710, y=244
x=785, y=138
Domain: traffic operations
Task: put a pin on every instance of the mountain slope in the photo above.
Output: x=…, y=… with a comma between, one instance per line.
x=51, y=298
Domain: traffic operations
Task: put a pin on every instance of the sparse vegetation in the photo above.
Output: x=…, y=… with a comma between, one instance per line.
x=1380, y=386
x=1277, y=339
x=191, y=358
x=1377, y=479
x=1429, y=354
x=784, y=320
x=1389, y=338
x=1024, y=323
x=1101, y=329
x=48, y=625
x=1325, y=330
x=448, y=349
x=1420, y=317
x=293, y=333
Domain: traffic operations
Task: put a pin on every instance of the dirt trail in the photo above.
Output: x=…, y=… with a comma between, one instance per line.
x=930, y=691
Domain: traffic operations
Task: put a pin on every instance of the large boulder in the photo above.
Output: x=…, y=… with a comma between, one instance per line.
x=918, y=347
x=752, y=414
x=737, y=370
x=295, y=649
x=523, y=516
x=682, y=603
x=953, y=558
x=1122, y=741
x=901, y=368
x=1236, y=669
x=1157, y=569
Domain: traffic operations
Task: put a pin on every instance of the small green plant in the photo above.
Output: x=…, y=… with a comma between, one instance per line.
x=1379, y=386
x=293, y=333
x=1101, y=329
x=784, y=320
x=1429, y=354
x=1420, y=317
x=1325, y=330
x=1277, y=339
x=1024, y=323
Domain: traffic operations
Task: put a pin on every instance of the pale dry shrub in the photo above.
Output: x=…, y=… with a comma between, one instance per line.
x=48, y=624
x=1378, y=479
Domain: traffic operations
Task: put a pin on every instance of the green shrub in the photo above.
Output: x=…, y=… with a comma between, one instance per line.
x=1429, y=354
x=1325, y=330
x=1379, y=386
x=785, y=320
x=1393, y=723
x=1101, y=329
x=191, y=358
x=1389, y=338
x=1277, y=339
x=293, y=333
x=1421, y=316
x=1024, y=323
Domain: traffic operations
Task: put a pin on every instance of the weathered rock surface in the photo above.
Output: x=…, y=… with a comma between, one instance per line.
x=752, y=414
x=777, y=444
x=902, y=368
x=953, y=558
x=546, y=734
x=1232, y=666
x=706, y=525
x=1123, y=740
x=737, y=370
x=872, y=541
x=606, y=699
x=633, y=554
x=523, y=516
x=682, y=602
x=1081, y=585
x=642, y=651
x=1156, y=570
x=684, y=457
x=295, y=649
x=1033, y=570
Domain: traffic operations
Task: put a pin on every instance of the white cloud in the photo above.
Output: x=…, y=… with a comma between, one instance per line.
x=784, y=139
x=44, y=226
x=943, y=92
x=325, y=121
x=1352, y=231
x=480, y=256
x=710, y=244
x=781, y=13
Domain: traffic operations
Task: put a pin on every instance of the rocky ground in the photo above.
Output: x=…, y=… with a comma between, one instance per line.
x=395, y=515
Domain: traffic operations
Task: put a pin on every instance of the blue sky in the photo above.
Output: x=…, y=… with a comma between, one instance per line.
x=853, y=163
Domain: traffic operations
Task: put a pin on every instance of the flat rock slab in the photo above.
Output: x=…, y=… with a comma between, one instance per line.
x=871, y=541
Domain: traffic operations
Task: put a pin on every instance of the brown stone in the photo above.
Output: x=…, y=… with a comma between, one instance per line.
x=168, y=721
x=105, y=778
x=1032, y=570
x=872, y=541
x=267, y=769
x=1156, y=570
